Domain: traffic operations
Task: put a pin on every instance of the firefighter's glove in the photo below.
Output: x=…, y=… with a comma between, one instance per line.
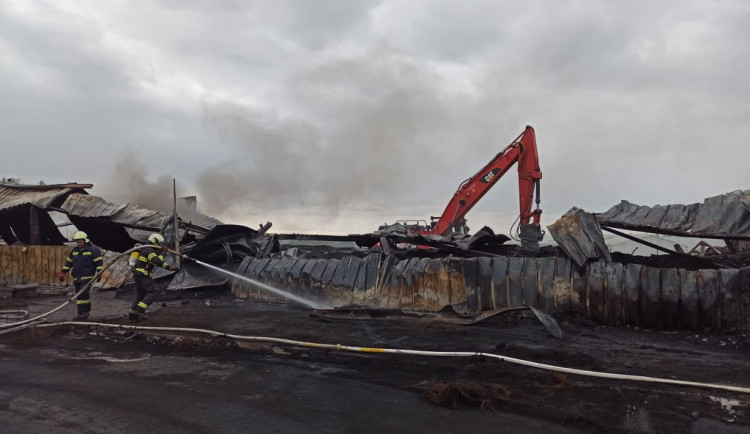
x=99, y=278
x=172, y=268
x=62, y=276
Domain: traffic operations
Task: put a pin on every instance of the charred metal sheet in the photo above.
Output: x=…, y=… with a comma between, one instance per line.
x=530, y=277
x=579, y=235
x=670, y=290
x=515, y=277
x=545, y=284
x=579, y=291
x=500, y=296
x=632, y=294
x=562, y=286
x=595, y=302
x=458, y=290
x=689, y=299
x=730, y=301
x=469, y=268
x=87, y=206
x=16, y=227
x=484, y=284
x=613, y=274
x=41, y=196
x=720, y=216
x=651, y=298
x=616, y=293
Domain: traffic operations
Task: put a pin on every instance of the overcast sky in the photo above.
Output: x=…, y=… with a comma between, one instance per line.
x=335, y=116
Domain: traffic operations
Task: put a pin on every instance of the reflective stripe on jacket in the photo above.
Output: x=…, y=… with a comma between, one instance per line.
x=84, y=262
x=148, y=259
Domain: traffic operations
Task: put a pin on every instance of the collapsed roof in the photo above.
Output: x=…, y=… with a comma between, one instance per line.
x=25, y=219
x=725, y=217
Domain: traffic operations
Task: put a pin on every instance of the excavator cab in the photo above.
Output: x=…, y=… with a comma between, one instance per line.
x=459, y=228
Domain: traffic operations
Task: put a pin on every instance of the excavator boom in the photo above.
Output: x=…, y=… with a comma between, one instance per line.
x=523, y=151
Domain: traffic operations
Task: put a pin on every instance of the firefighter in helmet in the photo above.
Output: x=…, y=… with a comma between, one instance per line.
x=145, y=287
x=84, y=261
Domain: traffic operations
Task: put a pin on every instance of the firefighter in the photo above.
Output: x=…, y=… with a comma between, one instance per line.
x=85, y=260
x=145, y=287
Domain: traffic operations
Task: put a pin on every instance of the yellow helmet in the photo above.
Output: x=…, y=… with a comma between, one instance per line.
x=156, y=239
x=80, y=235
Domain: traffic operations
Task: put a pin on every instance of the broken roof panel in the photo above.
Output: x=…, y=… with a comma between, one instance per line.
x=580, y=236
x=718, y=216
x=41, y=196
x=83, y=205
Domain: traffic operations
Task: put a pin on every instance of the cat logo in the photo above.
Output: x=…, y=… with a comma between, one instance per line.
x=490, y=175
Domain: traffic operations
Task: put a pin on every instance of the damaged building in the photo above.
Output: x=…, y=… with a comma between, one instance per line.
x=467, y=276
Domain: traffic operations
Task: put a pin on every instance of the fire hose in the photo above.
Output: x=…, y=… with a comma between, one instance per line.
x=33, y=322
x=15, y=325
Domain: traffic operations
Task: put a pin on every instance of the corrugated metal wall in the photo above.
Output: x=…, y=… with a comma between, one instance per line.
x=42, y=264
x=618, y=294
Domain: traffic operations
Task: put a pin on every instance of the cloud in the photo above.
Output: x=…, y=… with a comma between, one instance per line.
x=352, y=111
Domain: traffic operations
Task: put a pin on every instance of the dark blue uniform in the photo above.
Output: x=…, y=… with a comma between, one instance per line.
x=84, y=262
x=145, y=288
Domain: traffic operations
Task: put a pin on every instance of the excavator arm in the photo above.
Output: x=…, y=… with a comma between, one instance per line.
x=522, y=151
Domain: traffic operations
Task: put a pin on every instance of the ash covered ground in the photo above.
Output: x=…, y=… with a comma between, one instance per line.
x=81, y=379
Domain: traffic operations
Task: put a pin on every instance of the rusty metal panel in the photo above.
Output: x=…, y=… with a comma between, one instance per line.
x=562, y=285
x=530, y=275
x=650, y=297
x=406, y=300
x=484, y=283
x=515, y=276
x=383, y=288
x=730, y=301
x=545, y=294
x=633, y=294
x=689, y=299
x=595, y=301
x=420, y=284
x=437, y=292
x=614, y=294
x=394, y=285
x=469, y=268
x=670, y=298
x=458, y=291
x=500, y=282
x=579, y=289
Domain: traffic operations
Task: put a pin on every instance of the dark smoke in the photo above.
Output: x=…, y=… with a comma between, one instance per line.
x=129, y=183
x=373, y=125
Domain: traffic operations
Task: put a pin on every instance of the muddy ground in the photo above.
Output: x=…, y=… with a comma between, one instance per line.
x=95, y=380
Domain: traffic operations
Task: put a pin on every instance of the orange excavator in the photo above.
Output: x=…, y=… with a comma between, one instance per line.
x=523, y=151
